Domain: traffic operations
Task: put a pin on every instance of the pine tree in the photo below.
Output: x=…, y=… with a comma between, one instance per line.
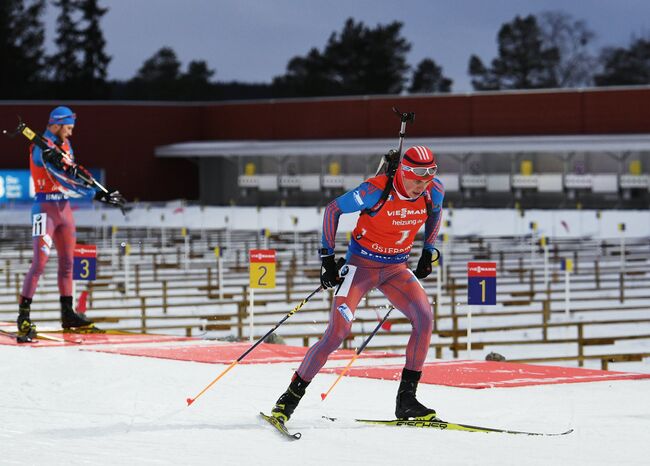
x=65, y=66
x=484, y=79
x=94, y=65
x=158, y=77
x=162, y=66
x=625, y=66
x=368, y=60
x=21, y=48
x=358, y=60
x=524, y=62
x=428, y=77
x=195, y=82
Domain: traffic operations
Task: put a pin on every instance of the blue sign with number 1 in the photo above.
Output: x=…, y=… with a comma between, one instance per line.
x=482, y=283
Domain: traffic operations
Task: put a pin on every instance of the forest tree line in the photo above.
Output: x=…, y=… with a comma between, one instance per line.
x=548, y=50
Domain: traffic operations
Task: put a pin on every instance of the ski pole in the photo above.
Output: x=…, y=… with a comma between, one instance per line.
x=260, y=340
x=356, y=355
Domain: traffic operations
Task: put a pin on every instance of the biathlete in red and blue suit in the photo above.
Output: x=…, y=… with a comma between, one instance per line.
x=52, y=220
x=376, y=258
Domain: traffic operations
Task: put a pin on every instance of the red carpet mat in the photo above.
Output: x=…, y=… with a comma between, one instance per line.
x=489, y=374
x=225, y=353
x=50, y=339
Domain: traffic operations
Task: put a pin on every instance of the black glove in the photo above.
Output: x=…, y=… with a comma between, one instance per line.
x=53, y=157
x=113, y=198
x=424, y=264
x=73, y=171
x=329, y=272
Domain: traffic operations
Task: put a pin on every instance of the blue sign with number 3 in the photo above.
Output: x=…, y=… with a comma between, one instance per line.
x=84, y=266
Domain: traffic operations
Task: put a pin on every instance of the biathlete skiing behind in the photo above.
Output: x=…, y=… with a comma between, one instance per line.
x=56, y=177
x=393, y=207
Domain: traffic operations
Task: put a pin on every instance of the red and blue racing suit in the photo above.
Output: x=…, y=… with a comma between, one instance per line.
x=376, y=258
x=52, y=224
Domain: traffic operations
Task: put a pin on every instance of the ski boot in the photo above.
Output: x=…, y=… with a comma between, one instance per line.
x=26, y=329
x=289, y=400
x=70, y=318
x=408, y=407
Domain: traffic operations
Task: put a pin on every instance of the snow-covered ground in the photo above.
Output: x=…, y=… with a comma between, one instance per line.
x=69, y=406
x=61, y=406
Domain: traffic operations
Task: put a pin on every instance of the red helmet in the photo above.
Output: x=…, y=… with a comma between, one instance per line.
x=418, y=163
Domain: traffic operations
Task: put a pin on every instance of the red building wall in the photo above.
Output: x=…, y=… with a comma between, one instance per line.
x=484, y=114
x=121, y=137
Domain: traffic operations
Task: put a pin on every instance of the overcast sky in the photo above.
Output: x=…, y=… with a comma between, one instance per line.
x=252, y=40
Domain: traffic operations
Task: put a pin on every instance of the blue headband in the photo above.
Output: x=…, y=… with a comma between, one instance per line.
x=62, y=116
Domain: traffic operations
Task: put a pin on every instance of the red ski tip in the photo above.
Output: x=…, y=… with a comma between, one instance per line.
x=323, y=395
x=190, y=401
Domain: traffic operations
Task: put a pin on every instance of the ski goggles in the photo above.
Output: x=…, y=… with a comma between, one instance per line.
x=421, y=172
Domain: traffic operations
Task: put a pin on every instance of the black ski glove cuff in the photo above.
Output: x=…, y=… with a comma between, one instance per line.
x=53, y=157
x=424, y=265
x=113, y=198
x=329, y=272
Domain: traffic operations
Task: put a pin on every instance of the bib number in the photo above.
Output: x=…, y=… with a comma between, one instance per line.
x=347, y=272
x=405, y=234
x=39, y=224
